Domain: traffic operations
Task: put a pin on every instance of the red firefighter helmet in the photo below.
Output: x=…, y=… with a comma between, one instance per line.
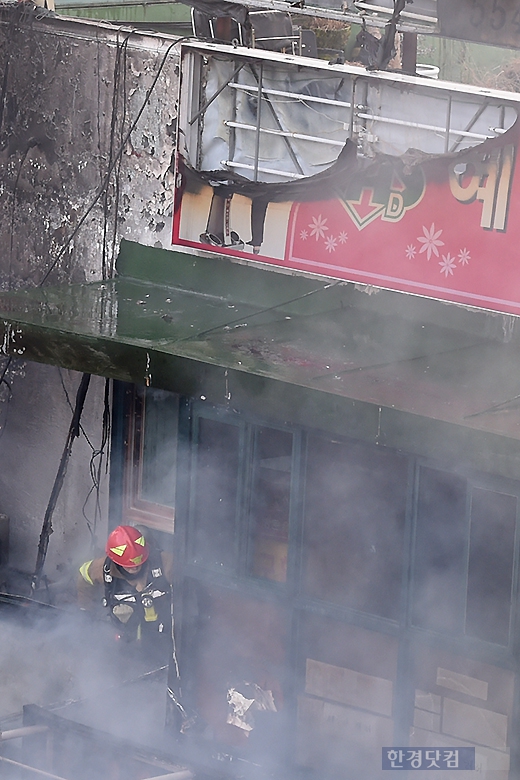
x=127, y=546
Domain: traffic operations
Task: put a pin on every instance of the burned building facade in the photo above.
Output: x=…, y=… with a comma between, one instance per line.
x=301, y=279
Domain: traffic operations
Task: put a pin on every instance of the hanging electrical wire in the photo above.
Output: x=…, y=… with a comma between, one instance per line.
x=126, y=137
x=117, y=185
x=47, y=528
x=106, y=265
x=100, y=454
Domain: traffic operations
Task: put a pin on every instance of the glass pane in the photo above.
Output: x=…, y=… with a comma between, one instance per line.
x=215, y=495
x=270, y=504
x=439, y=551
x=355, y=499
x=490, y=573
x=159, y=447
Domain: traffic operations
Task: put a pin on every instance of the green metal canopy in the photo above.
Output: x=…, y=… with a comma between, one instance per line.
x=311, y=350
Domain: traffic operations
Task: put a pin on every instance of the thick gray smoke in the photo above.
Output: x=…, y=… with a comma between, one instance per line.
x=75, y=667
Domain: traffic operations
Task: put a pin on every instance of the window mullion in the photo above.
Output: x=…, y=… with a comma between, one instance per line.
x=245, y=483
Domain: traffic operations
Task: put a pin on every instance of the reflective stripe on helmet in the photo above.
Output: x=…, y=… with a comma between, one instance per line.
x=119, y=550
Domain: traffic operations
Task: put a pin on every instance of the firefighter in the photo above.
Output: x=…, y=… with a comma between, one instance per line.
x=137, y=581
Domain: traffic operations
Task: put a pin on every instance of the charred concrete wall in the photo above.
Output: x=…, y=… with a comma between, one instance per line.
x=73, y=181
x=71, y=92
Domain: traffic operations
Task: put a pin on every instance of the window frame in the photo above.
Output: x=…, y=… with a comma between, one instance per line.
x=474, y=480
x=135, y=509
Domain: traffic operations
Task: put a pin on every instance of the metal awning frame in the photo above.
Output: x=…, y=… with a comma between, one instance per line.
x=359, y=119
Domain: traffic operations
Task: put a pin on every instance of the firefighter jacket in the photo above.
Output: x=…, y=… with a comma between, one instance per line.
x=137, y=605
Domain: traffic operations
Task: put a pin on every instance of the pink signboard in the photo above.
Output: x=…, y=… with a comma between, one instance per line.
x=445, y=228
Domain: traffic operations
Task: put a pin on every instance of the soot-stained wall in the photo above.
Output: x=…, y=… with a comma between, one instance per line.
x=69, y=93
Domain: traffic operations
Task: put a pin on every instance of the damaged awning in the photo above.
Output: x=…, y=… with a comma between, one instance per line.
x=210, y=327
x=260, y=113
x=410, y=185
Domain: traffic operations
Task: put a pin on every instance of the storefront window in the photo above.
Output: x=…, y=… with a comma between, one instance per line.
x=215, y=493
x=346, y=703
x=151, y=473
x=439, y=550
x=387, y=553
x=270, y=498
x=490, y=572
x=159, y=447
x=238, y=660
x=464, y=553
x=355, y=503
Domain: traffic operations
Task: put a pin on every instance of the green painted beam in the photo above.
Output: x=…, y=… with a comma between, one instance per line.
x=285, y=348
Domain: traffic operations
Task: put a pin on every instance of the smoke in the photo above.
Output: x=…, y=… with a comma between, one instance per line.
x=75, y=667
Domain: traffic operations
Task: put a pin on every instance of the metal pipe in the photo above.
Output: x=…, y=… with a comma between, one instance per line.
x=448, y=126
x=258, y=120
x=215, y=95
x=285, y=134
x=233, y=136
x=343, y=15
x=182, y=774
x=246, y=167
x=418, y=126
x=296, y=95
x=24, y=731
x=388, y=12
x=33, y=770
x=292, y=153
x=470, y=124
x=352, y=111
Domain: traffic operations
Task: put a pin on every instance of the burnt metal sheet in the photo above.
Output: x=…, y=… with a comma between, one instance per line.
x=483, y=21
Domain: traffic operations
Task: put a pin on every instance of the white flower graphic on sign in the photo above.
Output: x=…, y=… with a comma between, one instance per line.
x=304, y=235
x=343, y=236
x=318, y=227
x=410, y=251
x=430, y=241
x=330, y=244
x=447, y=265
x=464, y=256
